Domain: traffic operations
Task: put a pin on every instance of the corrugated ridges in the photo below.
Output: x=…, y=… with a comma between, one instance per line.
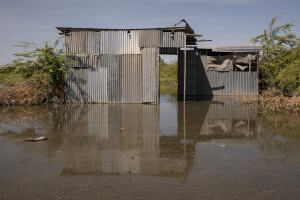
x=150, y=38
x=76, y=85
x=119, y=42
x=113, y=64
x=172, y=40
x=132, y=79
x=201, y=82
x=97, y=85
x=149, y=74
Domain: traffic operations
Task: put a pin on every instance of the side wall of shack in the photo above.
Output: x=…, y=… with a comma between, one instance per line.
x=199, y=81
x=115, y=66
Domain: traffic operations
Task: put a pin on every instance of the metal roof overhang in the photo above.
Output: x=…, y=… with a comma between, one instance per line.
x=236, y=48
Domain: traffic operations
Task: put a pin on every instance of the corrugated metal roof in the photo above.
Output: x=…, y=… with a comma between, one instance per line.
x=234, y=48
x=67, y=29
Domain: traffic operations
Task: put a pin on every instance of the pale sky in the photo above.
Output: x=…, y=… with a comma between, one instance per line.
x=226, y=22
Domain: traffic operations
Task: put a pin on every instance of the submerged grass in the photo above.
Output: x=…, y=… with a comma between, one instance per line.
x=275, y=103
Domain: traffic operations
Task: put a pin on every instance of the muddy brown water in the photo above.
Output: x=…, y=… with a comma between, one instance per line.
x=213, y=148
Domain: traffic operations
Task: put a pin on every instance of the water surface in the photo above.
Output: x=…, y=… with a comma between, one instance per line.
x=213, y=148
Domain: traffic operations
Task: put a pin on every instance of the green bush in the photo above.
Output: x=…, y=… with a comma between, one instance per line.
x=280, y=60
x=38, y=62
x=168, y=74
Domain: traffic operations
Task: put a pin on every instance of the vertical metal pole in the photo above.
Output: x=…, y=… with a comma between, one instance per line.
x=257, y=72
x=184, y=72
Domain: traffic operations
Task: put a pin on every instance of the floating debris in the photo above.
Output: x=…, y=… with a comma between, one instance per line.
x=36, y=139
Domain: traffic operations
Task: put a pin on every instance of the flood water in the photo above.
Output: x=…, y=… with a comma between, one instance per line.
x=213, y=148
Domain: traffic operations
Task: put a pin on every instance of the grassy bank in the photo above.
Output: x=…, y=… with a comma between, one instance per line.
x=8, y=77
x=168, y=76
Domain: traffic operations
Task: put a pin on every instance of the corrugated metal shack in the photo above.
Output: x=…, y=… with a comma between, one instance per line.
x=118, y=65
x=227, y=70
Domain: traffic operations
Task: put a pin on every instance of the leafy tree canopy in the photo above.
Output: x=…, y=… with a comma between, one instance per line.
x=280, y=61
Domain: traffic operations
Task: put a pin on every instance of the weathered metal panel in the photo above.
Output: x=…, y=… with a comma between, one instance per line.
x=114, y=76
x=150, y=38
x=132, y=79
x=97, y=85
x=119, y=42
x=76, y=85
x=232, y=83
x=75, y=42
x=92, y=42
x=201, y=82
x=83, y=61
x=149, y=75
x=172, y=40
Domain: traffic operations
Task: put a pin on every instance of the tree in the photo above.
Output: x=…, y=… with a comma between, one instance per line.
x=44, y=60
x=279, y=65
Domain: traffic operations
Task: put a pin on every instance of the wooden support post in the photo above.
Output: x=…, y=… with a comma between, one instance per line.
x=250, y=65
x=257, y=71
x=184, y=71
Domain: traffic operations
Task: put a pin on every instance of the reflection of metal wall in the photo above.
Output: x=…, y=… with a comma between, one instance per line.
x=231, y=108
x=222, y=117
x=111, y=126
x=116, y=139
x=201, y=82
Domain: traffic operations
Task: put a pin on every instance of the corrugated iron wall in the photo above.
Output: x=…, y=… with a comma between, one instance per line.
x=116, y=65
x=172, y=40
x=150, y=74
x=202, y=82
x=120, y=42
x=76, y=85
x=132, y=79
x=97, y=85
x=150, y=38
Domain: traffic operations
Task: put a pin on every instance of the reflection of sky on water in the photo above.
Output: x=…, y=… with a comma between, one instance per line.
x=168, y=116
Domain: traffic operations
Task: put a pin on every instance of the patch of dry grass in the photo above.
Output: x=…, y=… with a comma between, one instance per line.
x=27, y=93
x=269, y=101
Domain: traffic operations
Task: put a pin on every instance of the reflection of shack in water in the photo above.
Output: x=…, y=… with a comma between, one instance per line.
x=226, y=117
x=122, y=139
